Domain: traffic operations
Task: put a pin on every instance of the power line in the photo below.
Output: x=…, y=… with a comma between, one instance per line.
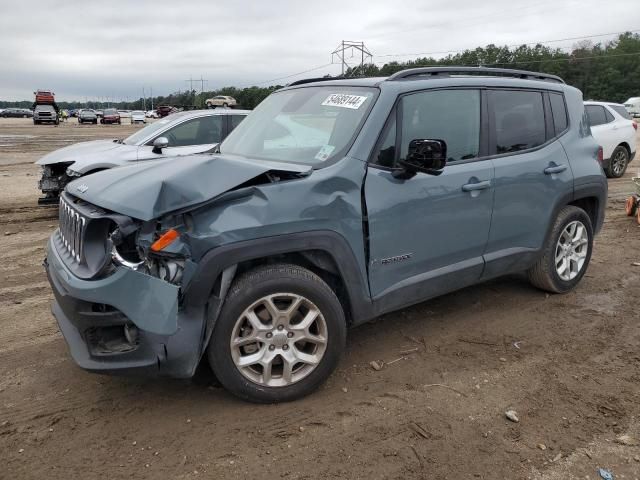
x=510, y=45
x=289, y=76
x=552, y=60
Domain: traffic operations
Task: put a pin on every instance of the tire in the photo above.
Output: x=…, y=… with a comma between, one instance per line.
x=618, y=162
x=271, y=285
x=630, y=206
x=545, y=274
x=225, y=105
x=638, y=216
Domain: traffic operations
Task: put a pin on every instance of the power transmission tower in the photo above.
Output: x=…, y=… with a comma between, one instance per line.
x=190, y=81
x=356, y=48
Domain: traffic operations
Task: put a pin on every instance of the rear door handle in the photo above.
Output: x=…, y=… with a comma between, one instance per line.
x=555, y=169
x=470, y=187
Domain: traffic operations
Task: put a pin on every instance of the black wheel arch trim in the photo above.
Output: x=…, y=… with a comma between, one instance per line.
x=594, y=190
x=216, y=260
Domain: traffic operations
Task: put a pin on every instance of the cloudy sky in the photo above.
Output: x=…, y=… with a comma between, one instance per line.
x=83, y=49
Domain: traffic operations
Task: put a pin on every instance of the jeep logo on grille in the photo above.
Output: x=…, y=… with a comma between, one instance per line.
x=82, y=188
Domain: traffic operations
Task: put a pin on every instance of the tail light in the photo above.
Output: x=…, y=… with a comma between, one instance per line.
x=635, y=126
x=600, y=155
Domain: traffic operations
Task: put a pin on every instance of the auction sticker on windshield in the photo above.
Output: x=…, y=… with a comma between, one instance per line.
x=345, y=101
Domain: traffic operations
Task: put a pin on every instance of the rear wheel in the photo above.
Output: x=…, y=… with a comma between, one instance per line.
x=566, y=254
x=618, y=163
x=279, y=335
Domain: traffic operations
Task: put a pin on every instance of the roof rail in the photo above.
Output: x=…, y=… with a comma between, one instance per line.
x=449, y=71
x=311, y=80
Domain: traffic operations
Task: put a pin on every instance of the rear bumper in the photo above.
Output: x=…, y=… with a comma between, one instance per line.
x=92, y=316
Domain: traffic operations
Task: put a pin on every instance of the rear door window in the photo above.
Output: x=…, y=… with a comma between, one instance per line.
x=235, y=121
x=596, y=114
x=199, y=131
x=518, y=120
x=559, y=112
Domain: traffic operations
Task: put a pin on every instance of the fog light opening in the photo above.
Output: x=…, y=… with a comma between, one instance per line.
x=131, y=333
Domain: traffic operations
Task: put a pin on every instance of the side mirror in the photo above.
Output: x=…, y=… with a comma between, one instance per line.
x=160, y=143
x=425, y=156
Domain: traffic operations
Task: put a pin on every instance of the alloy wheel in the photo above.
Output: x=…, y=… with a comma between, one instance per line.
x=279, y=340
x=618, y=162
x=571, y=250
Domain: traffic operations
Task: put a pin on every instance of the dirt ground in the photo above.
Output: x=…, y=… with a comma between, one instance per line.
x=568, y=364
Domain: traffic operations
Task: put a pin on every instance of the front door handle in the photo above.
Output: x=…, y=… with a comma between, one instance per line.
x=555, y=169
x=470, y=187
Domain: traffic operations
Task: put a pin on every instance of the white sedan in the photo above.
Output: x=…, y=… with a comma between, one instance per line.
x=615, y=131
x=138, y=116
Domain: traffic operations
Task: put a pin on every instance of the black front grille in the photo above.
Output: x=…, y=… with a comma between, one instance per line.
x=72, y=229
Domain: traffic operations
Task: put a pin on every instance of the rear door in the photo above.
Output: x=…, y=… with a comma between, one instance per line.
x=427, y=233
x=532, y=174
x=196, y=135
x=603, y=128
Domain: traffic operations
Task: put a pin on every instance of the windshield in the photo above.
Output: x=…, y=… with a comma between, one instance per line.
x=305, y=125
x=147, y=131
x=110, y=111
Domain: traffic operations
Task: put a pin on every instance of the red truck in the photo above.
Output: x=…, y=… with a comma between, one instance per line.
x=44, y=97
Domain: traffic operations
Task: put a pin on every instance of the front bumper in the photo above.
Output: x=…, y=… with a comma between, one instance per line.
x=92, y=315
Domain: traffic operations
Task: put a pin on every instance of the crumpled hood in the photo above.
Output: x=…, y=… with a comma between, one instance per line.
x=78, y=151
x=148, y=190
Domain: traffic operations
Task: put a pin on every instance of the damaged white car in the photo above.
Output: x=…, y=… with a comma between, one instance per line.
x=184, y=133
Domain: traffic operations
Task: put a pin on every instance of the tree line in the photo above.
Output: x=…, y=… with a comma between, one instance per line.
x=608, y=71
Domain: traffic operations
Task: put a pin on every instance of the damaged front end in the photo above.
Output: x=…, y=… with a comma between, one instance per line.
x=118, y=292
x=54, y=177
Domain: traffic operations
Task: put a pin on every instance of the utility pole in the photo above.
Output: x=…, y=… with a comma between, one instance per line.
x=151, y=97
x=144, y=101
x=354, y=47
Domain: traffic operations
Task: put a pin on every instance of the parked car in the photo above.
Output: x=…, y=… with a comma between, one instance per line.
x=180, y=134
x=615, y=131
x=138, y=116
x=45, y=114
x=165, y=110
x=16, y=113
x=259, y=257
x=86, y=115
x=220, y=101
x=99, y=113
x=152, y=114
x=110, y=115
x=633, y=106
x=125, y=114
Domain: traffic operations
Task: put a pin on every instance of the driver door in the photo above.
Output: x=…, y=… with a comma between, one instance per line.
x=197, y=135
x=427, y=233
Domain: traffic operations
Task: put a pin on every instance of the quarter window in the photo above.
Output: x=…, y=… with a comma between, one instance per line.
x=621, y=111
x=518, y=119
x=559, y=112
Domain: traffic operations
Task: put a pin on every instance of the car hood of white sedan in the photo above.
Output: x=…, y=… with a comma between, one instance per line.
x=86, y=150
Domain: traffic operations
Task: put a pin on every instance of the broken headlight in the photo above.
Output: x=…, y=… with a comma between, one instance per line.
x=156, y=251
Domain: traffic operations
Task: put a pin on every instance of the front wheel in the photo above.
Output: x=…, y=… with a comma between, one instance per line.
x=279, y=335
x=618, y=163
x=566, y=254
